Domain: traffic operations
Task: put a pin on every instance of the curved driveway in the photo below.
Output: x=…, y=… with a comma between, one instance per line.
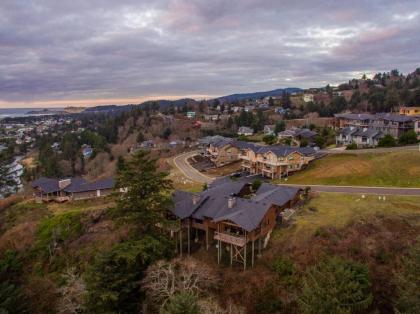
x=181, y=162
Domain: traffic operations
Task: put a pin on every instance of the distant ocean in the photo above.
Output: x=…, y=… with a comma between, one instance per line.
x=23, y=112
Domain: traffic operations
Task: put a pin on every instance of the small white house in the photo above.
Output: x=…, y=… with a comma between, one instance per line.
x=246, y=131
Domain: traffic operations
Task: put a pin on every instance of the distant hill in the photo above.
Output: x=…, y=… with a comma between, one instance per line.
x=257, y=95
x=163, y=104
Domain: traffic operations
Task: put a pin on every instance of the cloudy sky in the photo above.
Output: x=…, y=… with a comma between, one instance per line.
x=87, y=52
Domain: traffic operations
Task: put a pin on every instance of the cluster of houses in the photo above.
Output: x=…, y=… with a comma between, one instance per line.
x=24, y=133
x=275, y=161
x=366, y=130
x=232, y=217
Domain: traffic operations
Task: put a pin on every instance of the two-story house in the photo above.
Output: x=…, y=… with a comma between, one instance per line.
x=387, y=123
x=231, y=216
x=362, y=137
x=275, y=161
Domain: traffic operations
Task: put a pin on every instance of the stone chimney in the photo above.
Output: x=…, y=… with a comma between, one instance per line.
x=195, y=199
x=231, y=201
x=62, y=184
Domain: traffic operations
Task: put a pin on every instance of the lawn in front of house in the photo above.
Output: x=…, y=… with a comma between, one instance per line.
x=393, y=169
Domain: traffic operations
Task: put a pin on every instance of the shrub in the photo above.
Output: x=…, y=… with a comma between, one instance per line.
x=387, y=141
x=270, y=139
x=113, y=281
x=351, y=146
x=10, y=294
x=256, y=185
x=283, y=267
x=55, y=232
x=266, y=300
x=407, y=281
x=336, y=286
x=409, y=137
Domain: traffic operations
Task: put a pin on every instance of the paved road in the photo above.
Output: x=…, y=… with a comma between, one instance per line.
x=190, y=172
x=377, y=150
x=361, y=189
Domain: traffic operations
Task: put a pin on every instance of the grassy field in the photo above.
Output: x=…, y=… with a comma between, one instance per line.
x=339, y=209
x=398, y=169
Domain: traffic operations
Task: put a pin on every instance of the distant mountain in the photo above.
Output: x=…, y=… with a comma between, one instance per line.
x=257, y=95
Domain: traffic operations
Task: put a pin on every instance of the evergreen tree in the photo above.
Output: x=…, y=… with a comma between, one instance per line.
x=336, y=286
x=280, y=127
x=147, y=195
x=182, y=303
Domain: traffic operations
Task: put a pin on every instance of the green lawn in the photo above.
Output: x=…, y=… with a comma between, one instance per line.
x=397, y=169
x=339, y=209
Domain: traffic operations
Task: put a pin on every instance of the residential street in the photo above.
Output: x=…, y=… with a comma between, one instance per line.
x=190, y=172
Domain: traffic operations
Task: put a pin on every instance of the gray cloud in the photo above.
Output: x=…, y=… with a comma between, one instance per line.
x=95, y=49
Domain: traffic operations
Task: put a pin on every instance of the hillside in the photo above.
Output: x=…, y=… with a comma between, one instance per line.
x=395, y=169
x=370, y=231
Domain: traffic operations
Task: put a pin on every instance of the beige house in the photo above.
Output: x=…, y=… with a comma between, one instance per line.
x=275, y=161
x=222, y=152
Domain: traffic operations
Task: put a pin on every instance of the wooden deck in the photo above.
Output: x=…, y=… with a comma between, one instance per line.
x=231, y=239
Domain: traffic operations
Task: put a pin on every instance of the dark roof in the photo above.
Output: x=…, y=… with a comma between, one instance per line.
x=247, y=213
x=394, y=117
x=51, y=185
x=377, y=116
x=305, y=133
x=82, y=186
x=348, y=130
x=221, y=142
x=47, y=185
x=367, y=132
x=245, y=145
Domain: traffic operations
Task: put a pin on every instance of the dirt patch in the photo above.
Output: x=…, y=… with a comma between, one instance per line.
x=225, y=170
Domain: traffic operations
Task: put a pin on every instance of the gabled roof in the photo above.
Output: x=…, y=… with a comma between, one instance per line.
x=77, y=184
x=47, y=185
x=83, y=186
x=285, y=150
x=246, y=213
x=348, y=131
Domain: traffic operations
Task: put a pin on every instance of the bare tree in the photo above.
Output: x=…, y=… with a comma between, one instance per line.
x=165, y=279
x=72, y=293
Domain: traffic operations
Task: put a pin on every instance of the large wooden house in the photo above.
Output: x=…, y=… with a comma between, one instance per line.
x=233, y=217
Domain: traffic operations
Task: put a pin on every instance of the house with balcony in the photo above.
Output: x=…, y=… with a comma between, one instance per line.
x=231, y=217
x=387, y=123
x=362, y=137
x=275, y=161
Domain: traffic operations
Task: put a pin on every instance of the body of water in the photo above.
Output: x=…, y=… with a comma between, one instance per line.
x=23, y=112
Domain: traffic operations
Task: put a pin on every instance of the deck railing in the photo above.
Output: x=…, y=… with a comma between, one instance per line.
x=229, y=238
